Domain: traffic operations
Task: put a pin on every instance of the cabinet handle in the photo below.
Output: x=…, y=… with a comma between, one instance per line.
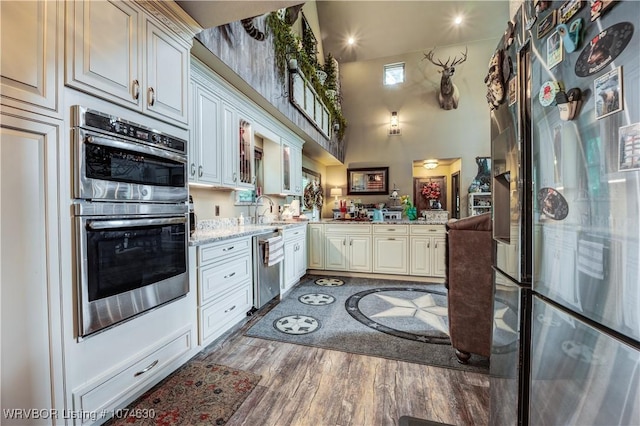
x=235, y=177
x=436, y=246
x=391, y=239
x=350, y=242
x=230, y=309
x=144, y=370
x=136, y=89
x=428, y=244
x=391, y=229
x=230, y=275
x=433, y=230
x=152, y=96
x=193, y=169
x=200, y=171
x=228, y=248
x=343, y=242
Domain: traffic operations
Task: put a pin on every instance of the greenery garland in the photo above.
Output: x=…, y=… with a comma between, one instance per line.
x=287, y=45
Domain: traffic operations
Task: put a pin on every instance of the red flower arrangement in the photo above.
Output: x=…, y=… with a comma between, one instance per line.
x=431, y=190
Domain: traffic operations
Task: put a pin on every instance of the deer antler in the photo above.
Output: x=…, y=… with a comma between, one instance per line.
x=446, y=65
x=461, y=60
x=429, y=56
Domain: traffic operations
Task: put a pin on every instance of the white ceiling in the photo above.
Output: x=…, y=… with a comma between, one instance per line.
x=388, y=28
x=382, y=28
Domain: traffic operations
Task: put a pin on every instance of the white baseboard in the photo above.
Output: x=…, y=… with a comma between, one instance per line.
x=430, y=280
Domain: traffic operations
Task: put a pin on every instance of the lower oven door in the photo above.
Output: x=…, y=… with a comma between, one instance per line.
x=128, y=266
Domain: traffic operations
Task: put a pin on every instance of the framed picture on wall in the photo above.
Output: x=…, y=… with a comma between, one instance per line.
x=368, y=181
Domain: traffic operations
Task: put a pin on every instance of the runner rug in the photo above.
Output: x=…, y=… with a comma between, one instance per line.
x=399, y=320
x=198, y=393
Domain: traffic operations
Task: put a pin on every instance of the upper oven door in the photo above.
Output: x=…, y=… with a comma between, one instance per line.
x=112, y=169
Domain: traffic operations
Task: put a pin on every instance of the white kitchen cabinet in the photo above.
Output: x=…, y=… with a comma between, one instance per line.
x=295, y=256
x=204, y=149
x=479, y=202
x=315, y=246
x=110, y=391
x=121, y=53
x=32, y=374
x=32, y=34
x=225, y=286
x=284, y=162
x=391, y=249
x=427, y=249
x=348, y=248
x=295, y=168
x=236, y=149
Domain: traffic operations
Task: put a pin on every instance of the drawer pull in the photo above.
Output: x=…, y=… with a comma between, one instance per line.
x=149, y=367
x=230, y=275
x=433, y=230
x=391, y=229
x=228, y=248
x=230, y=309
x=391, y=239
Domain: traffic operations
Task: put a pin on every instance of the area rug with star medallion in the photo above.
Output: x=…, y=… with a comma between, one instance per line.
x=198, y=393
x=400, y=320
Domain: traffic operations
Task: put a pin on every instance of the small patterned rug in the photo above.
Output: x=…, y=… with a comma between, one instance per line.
x=392, y=319
x=198, y=393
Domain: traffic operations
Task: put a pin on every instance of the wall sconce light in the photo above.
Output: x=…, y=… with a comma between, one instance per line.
x=293, y=65
x=394, y=127
x=336, y=192
x=430, y=164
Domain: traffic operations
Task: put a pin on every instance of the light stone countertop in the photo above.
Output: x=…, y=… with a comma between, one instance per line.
x=206, y=235
x=385, y=222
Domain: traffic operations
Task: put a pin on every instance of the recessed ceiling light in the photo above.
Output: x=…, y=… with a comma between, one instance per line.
x=351, y=41
x=458, y=20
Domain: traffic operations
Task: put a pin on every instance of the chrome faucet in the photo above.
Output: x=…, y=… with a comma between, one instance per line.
x=255, y=213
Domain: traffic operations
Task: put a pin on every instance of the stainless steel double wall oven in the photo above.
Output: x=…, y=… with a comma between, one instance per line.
x=130, y=218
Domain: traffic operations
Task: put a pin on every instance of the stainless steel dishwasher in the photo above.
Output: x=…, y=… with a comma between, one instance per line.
x=266, y=279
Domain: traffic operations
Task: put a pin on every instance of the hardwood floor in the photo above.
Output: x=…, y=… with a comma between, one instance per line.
x=303, y=385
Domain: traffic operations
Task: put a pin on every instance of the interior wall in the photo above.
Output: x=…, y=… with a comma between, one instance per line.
x=427, y=131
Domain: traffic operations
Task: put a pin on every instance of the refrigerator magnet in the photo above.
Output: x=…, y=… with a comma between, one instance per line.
x=548, y=92
x=608, y=93
x=599, y=7
x=554, y=50
x=552, y=204
x=571, y=35
x=569, y=9
x=603, y=48
x=546, y=24
x=629, y=137
x=513, y=90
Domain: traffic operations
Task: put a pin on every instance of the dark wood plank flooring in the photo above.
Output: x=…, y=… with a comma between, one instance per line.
x=303, y=385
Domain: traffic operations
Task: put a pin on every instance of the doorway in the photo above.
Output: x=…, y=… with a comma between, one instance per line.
x=455, y=195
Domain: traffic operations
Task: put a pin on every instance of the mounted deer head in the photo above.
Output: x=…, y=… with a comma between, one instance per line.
x=448, y=96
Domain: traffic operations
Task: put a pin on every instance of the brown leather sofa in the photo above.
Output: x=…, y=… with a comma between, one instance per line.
x=469, y=281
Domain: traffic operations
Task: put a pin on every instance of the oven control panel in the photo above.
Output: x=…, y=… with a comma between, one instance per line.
x=106, y=123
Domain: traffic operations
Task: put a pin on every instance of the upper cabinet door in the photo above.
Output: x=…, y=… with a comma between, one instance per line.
x=32, y=35
x=102, y=50
x=167, y=75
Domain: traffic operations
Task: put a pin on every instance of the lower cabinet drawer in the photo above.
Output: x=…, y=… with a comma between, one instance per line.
x=103, y=397
x=218, y=279
x=223, y=249
x=222, y=314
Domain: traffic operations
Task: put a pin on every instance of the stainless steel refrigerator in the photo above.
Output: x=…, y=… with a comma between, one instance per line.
x=566, y=343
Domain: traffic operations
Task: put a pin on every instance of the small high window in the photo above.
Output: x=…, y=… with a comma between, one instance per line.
x=394, y=74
